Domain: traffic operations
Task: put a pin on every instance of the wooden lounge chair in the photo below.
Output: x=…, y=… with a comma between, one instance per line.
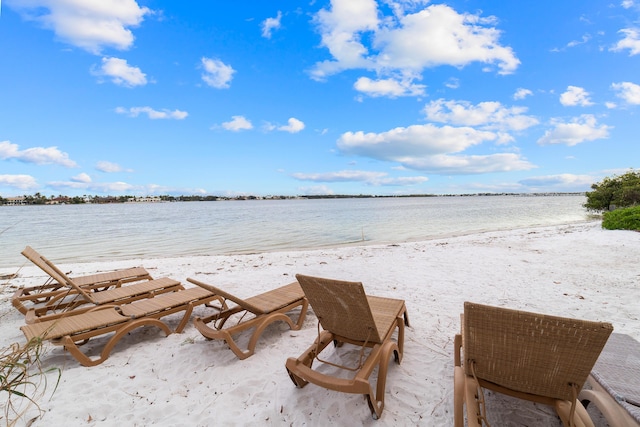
x=615, y=382
x=28, y=297
x=74, y=294
x=348, y=315
x=262, y=310
x=77, y=328
x=541, y=358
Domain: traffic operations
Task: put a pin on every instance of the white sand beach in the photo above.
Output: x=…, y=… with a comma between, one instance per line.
x=576, y=270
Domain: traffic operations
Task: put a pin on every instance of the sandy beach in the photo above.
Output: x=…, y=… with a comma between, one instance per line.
x=576, y=270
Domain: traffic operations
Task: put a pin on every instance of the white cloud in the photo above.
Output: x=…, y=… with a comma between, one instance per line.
x=630, y=41
x=367, y=177
x=237, y=123
x=341, y=176
x=98, y=187
x=452, y=83
x=585, y=38
x=89, y=24
x=121, y=73
x=217, y=74
x=316, y=190
x=488, y=115
x=580, y=129
x=22, y=182
x=522, y=93
x=358, y=36
x=82, y=177
x=109, y=167
x=151, y=113
x=629, y=92
x=37, y=155
x=294, y=126
x=627, y=4
x=575, y=96
x=270, y=24
x=431, y=148
x=559, y=182
x=388, y=87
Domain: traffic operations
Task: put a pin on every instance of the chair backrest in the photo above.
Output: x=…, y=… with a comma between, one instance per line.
x=341, y=307
x=53, y=271
x=529, y=352
x=226, y=295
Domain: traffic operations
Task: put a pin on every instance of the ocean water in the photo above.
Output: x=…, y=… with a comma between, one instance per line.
x=84, y=233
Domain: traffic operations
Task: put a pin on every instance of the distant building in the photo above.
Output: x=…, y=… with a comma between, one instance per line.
x=146, y=199
x=15, y=201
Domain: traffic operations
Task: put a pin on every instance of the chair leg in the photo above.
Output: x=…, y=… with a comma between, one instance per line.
x=471, y=399
x=306, y=358
x=580, y=419
x=376, y=403
x=458, y=397
x=85, y=360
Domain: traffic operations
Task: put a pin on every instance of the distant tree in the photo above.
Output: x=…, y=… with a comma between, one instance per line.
x=618, y=191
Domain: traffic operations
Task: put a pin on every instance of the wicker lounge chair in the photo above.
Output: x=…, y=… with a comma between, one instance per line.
x=68, y=294
x=615, y=382
x=541, y=358
x=28, y=297
x=77, y=328
x=348, y=315
x=262, y=310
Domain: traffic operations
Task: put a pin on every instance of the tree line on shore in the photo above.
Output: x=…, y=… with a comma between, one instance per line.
x=39, y=199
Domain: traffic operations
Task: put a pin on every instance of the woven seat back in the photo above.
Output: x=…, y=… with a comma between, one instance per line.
x=531, y=353
x=55, y=273
x=341, y=307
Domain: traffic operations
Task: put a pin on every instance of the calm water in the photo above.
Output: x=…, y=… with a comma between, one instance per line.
x=75, y=233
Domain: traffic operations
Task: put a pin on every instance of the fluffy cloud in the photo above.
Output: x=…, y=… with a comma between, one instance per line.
x=21, y=182
x=152, y=114
x=487, y=115
x=560, y=182
x=431, y=148
x=109, y=167
x=580, y=129
x=237, y=123
x=631, y=41
x=98, y=187
x=388, y=87
x=121, y=73
x=88, y=24
x=367, y=177
x=294, y=126
x=82, y=177
x=217, y=74
x=522, y=93
x=37, y=155
x=575, y=96
x=270, y=24
x=406, y=43
x=629, y=92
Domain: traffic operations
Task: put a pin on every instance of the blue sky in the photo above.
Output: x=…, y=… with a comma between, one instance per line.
x=384, y=97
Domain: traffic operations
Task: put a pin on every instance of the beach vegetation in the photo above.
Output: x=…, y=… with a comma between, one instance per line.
x=622, y=219
x=23, y=378
x=618, y=191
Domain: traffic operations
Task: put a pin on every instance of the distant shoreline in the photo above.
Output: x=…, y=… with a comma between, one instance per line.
x=39, y=200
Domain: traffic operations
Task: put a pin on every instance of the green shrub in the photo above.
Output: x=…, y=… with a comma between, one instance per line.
x=622, y=219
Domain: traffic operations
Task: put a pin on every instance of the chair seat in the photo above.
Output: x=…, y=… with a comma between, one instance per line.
x=265, y=309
